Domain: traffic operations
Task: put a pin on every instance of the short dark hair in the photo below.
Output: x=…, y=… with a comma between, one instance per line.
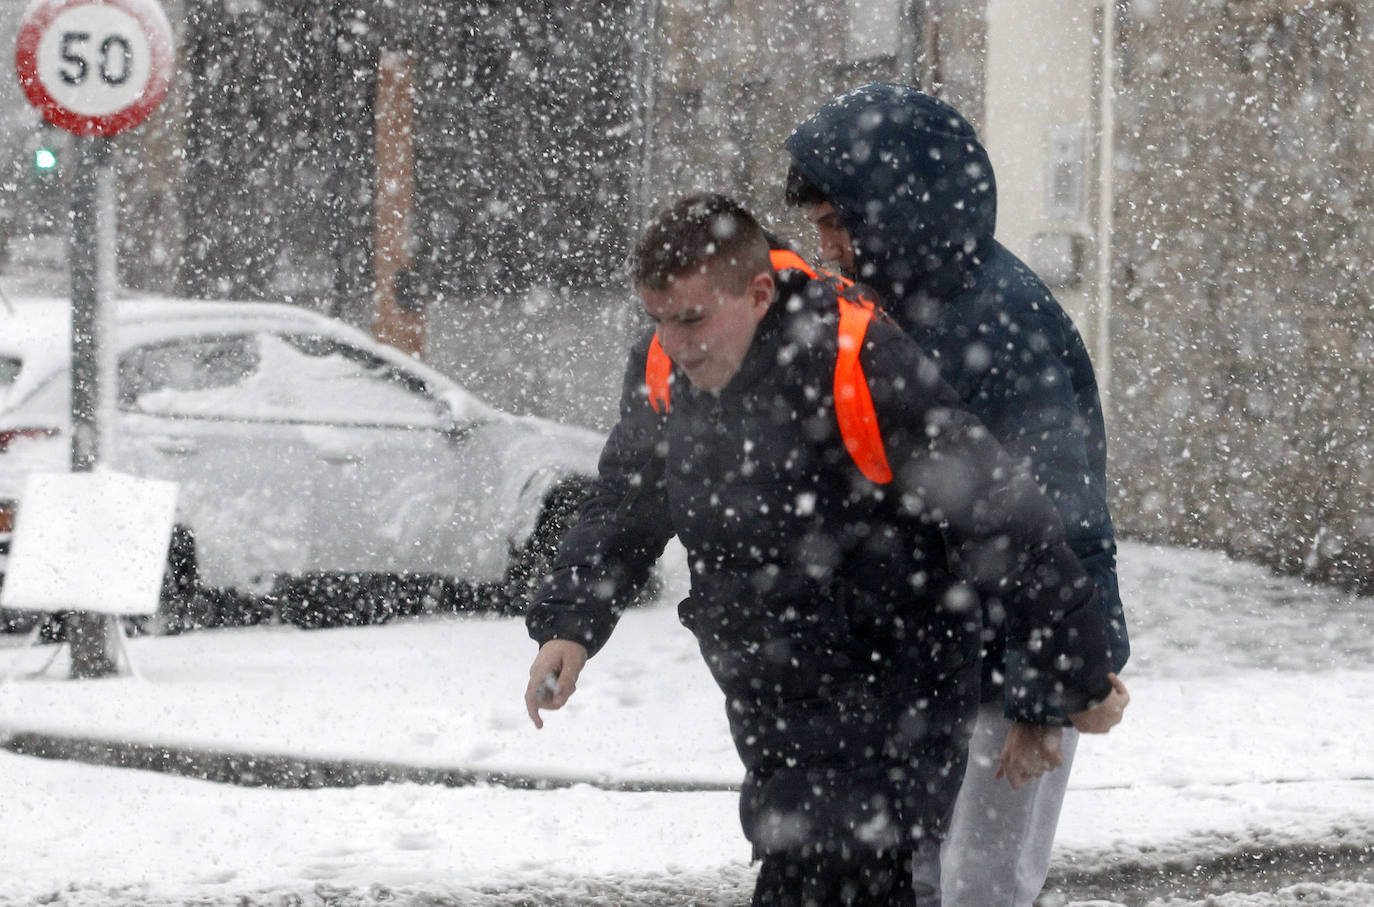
x=707, y=233
x=800, y=192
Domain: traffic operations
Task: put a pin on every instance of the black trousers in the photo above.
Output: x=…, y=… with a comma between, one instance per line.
x=832, y=877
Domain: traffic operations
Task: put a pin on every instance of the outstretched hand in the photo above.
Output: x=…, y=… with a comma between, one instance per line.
x=1107, y=714
x=553, y=676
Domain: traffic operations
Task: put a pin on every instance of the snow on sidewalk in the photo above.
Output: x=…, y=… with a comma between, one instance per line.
x=1249, y=726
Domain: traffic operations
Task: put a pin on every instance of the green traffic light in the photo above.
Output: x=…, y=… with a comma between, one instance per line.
x=45, y=159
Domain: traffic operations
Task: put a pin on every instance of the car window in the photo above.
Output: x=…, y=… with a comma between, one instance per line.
x=9, y=371
x=186, y=366
x=271, y=377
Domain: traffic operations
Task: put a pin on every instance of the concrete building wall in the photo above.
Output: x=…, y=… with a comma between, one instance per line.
x=733, y=79
x=1042, y=132
x=1244, y=323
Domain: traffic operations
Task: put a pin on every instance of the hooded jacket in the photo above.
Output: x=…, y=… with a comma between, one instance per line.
x=825, y=604
x=915, y=189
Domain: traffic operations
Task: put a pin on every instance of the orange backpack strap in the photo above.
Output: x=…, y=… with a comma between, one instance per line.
x=657, y=370
x=862, y=295
x=787, y=260
x=853, y=403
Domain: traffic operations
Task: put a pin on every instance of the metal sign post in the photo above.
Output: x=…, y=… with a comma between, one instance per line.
x=94, y=68
x=89, y=634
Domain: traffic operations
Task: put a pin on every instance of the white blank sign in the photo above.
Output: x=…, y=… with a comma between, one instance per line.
x=90, y=541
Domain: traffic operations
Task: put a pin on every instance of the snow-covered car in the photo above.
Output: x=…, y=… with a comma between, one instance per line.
x=322, y=475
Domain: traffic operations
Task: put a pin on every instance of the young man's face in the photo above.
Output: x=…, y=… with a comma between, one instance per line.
x=705, y=330
x=836, y=248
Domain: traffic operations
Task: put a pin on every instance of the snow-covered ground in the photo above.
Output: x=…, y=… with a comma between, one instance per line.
x=1249, y=733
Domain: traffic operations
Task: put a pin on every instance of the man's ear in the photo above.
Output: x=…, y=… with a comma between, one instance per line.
x=762, y=288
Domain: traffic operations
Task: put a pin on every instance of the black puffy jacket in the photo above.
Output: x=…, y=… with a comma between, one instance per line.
x=914, y=187
x=824, y=604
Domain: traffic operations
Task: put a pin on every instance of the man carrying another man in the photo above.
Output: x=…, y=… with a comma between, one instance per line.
x=902, y=195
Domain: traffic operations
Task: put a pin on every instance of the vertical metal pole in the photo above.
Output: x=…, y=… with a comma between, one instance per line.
x=1105, y=200
x=646, y=77
x=88, y=634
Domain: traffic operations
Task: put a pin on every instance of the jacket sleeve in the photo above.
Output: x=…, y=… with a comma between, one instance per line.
x=1030, y=404
x=1039, y=400
x=1005, y=536
x=606, y=557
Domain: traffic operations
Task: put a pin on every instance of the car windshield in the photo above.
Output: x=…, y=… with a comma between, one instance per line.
x=352, y=364
x=338, y=382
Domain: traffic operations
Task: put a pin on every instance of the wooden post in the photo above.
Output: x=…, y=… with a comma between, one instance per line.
x=395, y=320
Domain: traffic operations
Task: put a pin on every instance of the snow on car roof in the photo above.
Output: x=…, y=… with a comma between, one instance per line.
x=38, y=331
x=34, y=326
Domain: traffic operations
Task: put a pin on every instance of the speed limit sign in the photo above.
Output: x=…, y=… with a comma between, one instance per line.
x=94, y=67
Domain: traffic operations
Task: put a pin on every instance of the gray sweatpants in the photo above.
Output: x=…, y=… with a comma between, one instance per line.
x=997, y=850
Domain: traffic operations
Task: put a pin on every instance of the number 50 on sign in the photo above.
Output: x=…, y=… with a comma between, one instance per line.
x=94, y=67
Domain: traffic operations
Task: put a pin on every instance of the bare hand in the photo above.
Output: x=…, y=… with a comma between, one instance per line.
x=1031, y=750
x=1107, y=714
x=553, y=676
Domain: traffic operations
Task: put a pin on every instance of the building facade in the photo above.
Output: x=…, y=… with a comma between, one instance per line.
x=1243, y=327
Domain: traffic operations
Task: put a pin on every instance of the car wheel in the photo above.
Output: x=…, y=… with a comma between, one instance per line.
x=533, y=561
x=184, y=603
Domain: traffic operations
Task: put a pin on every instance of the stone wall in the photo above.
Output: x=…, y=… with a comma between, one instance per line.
x=1243, y=327
x=733, y=79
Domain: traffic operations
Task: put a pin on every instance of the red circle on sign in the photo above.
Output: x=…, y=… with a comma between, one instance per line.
x=152, y=21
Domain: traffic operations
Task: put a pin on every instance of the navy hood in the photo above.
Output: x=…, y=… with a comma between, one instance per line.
x=911, y=183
